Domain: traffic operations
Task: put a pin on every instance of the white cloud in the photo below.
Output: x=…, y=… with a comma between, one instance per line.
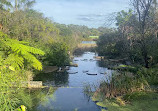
x=70, y=11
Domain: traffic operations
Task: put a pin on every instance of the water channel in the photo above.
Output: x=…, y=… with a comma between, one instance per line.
x=69, y=95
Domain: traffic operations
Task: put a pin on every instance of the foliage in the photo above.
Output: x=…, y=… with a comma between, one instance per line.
x=151, y=75
x=125, y=88
x=57, y=54
x=122, y=83
x=135, y=37
x=21, y=108
x=19, y=23
x=23, y=4
x=64, y=31
x=4, y=3
x=16, y=54
x=8, y=101
x=143, y=101
x=16, y=5
x=112, y=44
x=15, y=57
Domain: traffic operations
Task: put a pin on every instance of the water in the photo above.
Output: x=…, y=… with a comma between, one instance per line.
x=88, y=42
x=69, y=94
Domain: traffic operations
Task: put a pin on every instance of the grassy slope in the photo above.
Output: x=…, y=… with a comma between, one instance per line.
x=138, y=102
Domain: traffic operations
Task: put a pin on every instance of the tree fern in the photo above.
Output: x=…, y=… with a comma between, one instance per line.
x=14, y=56
x=18, y=53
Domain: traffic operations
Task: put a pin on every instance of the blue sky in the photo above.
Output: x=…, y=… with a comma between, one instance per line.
x=92, y=13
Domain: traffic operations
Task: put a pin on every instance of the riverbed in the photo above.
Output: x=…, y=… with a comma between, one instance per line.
x=69, y=95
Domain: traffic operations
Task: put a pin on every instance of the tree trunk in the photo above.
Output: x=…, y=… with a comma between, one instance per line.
x=16, y=5
x=146, y=59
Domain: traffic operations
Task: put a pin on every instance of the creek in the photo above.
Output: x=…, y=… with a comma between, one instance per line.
x=69, y=94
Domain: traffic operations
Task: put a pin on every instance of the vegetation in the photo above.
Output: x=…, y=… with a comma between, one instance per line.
x=141, y=102
x=29, y=41
x=16, y=58
x=24, y=33
x=135, y=42
x=137, y=30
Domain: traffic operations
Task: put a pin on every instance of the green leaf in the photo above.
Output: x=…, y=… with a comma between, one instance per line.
x=11, y=68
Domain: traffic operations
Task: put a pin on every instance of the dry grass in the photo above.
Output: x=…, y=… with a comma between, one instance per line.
x=86, y=45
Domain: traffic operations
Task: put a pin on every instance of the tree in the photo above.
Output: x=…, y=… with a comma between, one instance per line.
x=16, y=55
x=16, y=4
x=145, y=13
x=122, y=21
x=23, y=4
x=5, y=3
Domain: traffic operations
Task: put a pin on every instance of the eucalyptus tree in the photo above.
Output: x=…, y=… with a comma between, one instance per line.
x=145, y=11
x=16, y=5
x=23, y=4
x=5, y=4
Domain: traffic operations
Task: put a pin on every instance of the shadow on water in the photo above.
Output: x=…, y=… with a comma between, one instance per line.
x=32, y=98
x=80, y=51
x=53, y=79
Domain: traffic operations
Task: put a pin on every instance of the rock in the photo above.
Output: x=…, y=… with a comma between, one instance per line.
x=103, y=72
x=85, y=71
x=67, y=68
x=99, y=57
x=73, y=72
x=91, y=59
x=84, y=59
x=74, y=65
x=35, y=84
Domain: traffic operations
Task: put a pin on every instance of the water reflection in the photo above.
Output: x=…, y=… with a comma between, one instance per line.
x=33, y=97
x=71, y=97
x=68, y=99
x=53, y=79
x=88, y=42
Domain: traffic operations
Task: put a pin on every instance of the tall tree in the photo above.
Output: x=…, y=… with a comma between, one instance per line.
x=145, y=11
x=16, y=5
x=4, y=4
x=23, y=4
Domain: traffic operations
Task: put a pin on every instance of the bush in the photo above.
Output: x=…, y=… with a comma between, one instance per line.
x=57, y=55
x=151, y=75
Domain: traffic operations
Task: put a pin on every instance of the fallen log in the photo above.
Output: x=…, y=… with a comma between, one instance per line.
x=90, y=74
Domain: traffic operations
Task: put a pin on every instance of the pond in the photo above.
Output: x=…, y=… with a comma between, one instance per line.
x=69, y=95
x=88, y=42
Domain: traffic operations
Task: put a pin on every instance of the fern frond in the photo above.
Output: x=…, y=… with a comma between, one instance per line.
x=18, y=46
x=17, y=52
x=14, y=61
x=32, y=60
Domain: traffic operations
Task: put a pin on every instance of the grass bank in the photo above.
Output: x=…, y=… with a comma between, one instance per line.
x=137, y=101
x=128, y=91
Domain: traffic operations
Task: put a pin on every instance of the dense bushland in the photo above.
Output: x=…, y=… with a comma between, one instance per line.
x=135, y=37
x=134, y=41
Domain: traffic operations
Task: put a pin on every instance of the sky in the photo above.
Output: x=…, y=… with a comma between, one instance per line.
x=92, y=13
